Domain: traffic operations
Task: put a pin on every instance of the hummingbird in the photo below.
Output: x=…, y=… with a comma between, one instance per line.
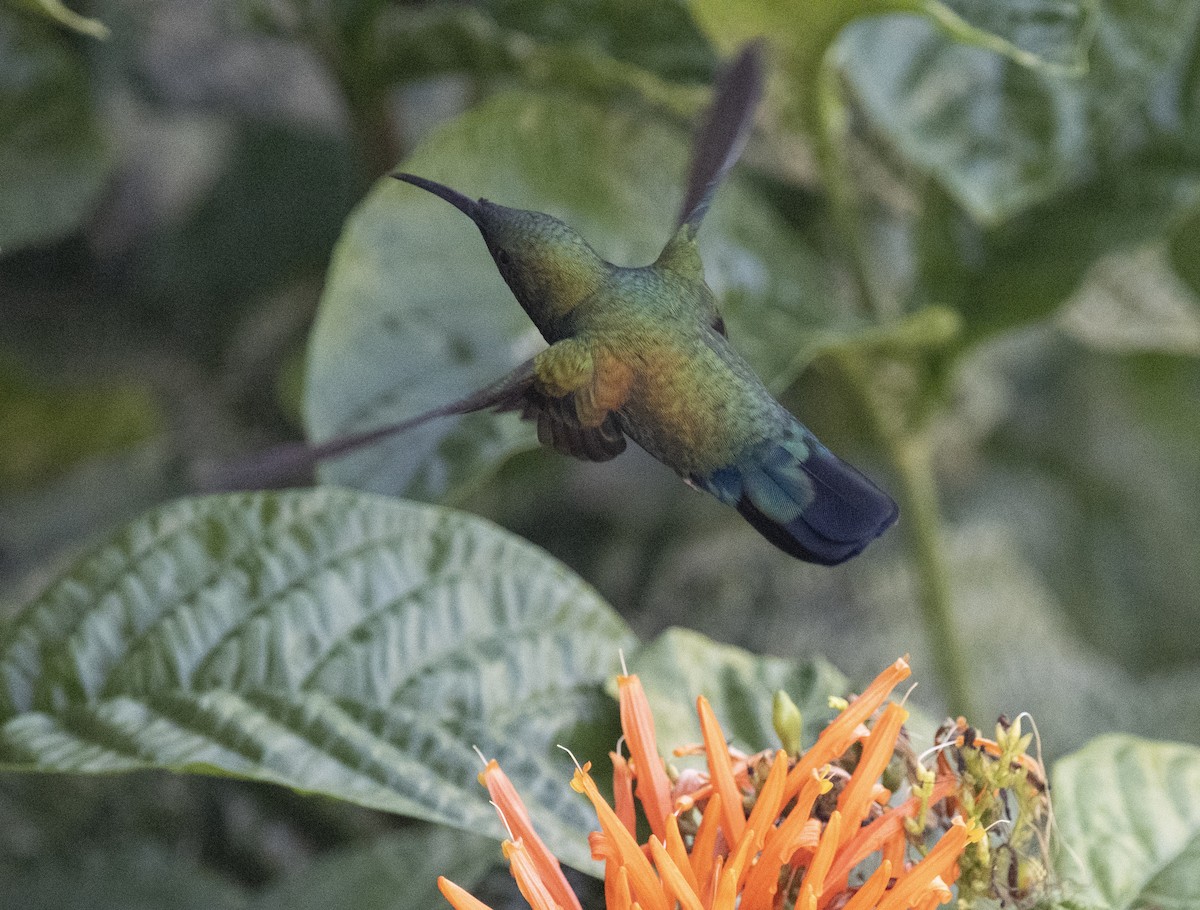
x=643, y=353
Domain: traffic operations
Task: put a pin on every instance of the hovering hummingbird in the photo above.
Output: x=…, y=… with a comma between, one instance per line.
x=642, y=354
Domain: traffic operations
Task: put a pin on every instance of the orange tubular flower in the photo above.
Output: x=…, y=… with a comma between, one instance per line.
x=653, y=787
x=883, y=829
x=770, y=798
x=791, y=851
x=822, y=859
x=714, y=880
x=938, y=894
x=704, y=847
x=720, y=768
x=623, y=791
x=647, y=889
x=673, y=879
x=867, y=897
x=763, y=881
x=459, y=898
x=619, y=898
x=726, y=892
x=529, y=880
x=677, y=850
x=894, y=849
x=762, y=818
x=516, y=817
x=836, y=738
x=856, y=798
x=920, y=877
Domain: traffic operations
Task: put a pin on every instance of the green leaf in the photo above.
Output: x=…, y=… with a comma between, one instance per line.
x=648, y=51
x=1038, y=34
x=997, y=137
x=57, y=11
x=53, y=159
x=1032, y=175
x=1129, y=824
x=1041, y=34
x=681, y=665
x=415, y=313
x=1021, y=271
x=332, y=642
x=1135, y=301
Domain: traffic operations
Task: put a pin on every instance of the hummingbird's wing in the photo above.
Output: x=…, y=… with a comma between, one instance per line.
x=559, y=427
x=723, y=132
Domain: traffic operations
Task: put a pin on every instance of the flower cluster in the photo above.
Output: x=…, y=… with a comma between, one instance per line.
x=809, y=831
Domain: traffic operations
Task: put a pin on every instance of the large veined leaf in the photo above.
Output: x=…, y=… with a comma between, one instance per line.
x=53, y=159
x=325, y=640
x=1026, y=268
x=1041, y=34
x=997, y=137
x=595, y=48
x=415, y=313
x=680, y=665
x=1129, y=824
x=1035, y=176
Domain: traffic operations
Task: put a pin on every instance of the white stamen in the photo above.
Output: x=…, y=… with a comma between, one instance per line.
x=578, y=767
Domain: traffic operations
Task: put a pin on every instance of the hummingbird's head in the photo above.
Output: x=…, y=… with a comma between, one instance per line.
x=548, y=266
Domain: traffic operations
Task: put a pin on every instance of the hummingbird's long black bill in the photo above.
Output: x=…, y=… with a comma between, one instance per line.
x=463, y=203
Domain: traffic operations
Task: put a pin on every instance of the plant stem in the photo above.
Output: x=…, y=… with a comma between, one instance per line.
x=835, y=175
x=905, y=441
x=909, y=450
x=919, y=503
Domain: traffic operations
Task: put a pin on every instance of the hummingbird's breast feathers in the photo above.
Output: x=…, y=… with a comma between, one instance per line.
x=696, y=405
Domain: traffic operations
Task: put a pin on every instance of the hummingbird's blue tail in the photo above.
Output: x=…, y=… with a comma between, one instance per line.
x=803, y=498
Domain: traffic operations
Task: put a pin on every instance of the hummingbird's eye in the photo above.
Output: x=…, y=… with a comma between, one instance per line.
x=502, y=258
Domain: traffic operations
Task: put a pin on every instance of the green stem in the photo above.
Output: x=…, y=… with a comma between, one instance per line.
x=905, y=442
x=831, y=136
x=919, y=504
x=910, y=451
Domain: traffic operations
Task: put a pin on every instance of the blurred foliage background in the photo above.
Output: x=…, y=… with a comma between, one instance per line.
x=1003, y=236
